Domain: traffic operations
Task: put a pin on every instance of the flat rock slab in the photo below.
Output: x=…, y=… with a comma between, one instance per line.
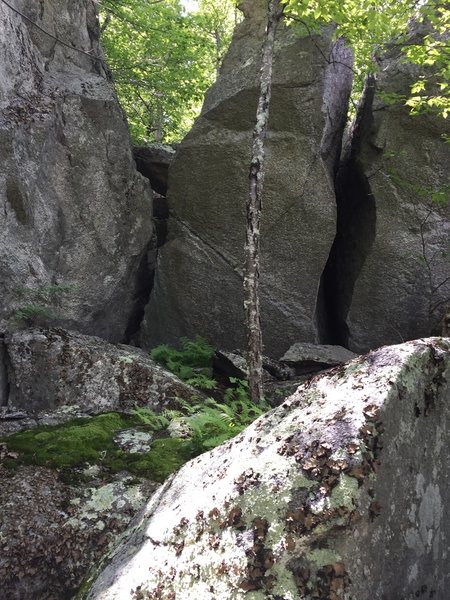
x=310, y=357
x=342, y=493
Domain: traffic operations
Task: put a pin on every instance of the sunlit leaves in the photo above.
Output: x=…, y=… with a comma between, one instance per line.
x=368, y=25
x=162, y=60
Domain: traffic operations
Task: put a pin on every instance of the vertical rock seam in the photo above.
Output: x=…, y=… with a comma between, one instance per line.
x=355, y=232
x=4, y=379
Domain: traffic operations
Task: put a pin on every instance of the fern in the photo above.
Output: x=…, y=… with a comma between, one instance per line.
x=211, y=423
x=153, y=421
x=191, y=364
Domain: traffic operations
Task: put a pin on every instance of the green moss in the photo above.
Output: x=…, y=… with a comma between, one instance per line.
x=166, y=456
x=90, y=441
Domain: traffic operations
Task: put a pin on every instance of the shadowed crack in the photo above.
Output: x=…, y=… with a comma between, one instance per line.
x=145, y=277
x=4, y=379
x=356, y=226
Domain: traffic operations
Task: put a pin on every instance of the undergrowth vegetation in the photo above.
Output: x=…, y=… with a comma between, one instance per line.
x=192, y=364
x=175, y=436
x=210, y=422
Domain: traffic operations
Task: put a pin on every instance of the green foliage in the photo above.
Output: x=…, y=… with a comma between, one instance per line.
x=432, y=93
x=166, y=456
x=212, y=422
x=32, y=313
x=191, y=364
x=81, y=442
x=149, y=418
x=163, y=60
x=369, y=25
x=41, y=303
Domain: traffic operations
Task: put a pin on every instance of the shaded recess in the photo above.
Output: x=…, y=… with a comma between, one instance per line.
x=355, y=232
x=4, y=379
x=153, y=163
x=145, y=277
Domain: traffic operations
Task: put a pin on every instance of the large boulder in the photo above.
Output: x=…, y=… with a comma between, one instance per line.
x=198, y=285
x=388, y=278
x=75, y=215
x=52, y=370
x=342, y=493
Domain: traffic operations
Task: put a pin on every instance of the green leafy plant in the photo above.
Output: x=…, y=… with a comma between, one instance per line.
x=163, y=59
x=210, y=422
x=32, y=313
x=192, y=364
x=149, y=418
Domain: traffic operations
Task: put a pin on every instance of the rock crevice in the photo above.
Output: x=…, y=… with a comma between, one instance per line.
x=4, y=378
x=355, y=231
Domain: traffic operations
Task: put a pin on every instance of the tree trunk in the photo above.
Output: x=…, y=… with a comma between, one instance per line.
x=254, y=206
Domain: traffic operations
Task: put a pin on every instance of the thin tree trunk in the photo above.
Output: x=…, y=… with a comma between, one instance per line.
x=254, y=206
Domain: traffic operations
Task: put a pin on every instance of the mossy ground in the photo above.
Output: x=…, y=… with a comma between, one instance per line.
x=82, y=442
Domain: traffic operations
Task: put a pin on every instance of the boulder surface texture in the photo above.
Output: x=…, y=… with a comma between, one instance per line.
x=53, y=531
x=75, y=215
x=342, y=492
x=198, y=285
x=55, y=368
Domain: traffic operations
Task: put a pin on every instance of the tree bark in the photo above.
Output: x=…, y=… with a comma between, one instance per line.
x=254, y=207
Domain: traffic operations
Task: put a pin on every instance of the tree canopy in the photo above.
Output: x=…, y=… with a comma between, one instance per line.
x=371, y=26
x=163, y=59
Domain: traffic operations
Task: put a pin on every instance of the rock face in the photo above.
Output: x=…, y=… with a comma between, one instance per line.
x=54, y=369
x=198, y=285
x=75, y=214
x=342, y=492
x=388, y=277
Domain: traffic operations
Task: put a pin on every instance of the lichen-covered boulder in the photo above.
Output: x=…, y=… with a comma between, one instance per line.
x=388, y=278
x=75, y=215
x=198, y=285
x=53, y=531
x=343, y=492
x=52, y=369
